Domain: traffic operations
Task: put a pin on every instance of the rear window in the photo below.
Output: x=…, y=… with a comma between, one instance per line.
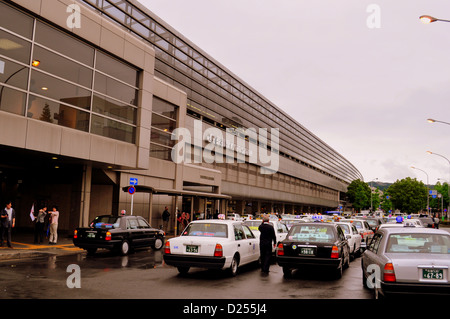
x=345, y=228
x=312, y=233
x=253, y=224
x=206, y=230
x=105, y=222
x=418, y=243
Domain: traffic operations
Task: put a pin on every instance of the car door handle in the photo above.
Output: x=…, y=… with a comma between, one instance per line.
x=239, y=245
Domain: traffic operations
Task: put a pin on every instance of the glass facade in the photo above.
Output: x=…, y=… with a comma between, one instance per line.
x=164, y=121
x=48, y=75
x=217, y=96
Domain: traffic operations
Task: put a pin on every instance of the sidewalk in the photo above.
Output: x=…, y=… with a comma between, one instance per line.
x=24, y=247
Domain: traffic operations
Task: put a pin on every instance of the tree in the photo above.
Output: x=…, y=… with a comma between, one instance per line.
x=408, y=195
x=46, y=115
x=358, y=193
x=436, y=203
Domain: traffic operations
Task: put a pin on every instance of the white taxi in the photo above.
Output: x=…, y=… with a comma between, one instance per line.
x=212, y=244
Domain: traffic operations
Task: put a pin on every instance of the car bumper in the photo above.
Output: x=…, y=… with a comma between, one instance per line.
x=399, y=288
x=296, y=262
x=97, y=244
x=194, y=261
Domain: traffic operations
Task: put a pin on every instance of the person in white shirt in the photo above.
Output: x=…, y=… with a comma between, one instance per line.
x=7, y=222
x=54, y=215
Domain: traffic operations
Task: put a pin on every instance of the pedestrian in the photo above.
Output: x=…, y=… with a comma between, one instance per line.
x=8, y=222
x=266, y=238
x=165, y=218
x=54, y=226
x=39, y=225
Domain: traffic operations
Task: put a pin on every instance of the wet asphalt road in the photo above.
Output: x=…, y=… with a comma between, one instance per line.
x=143, y=275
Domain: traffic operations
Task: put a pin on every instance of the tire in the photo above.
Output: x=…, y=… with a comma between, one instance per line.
x=287, y=272
x=233, y=270
x=183, y=270
x=91, y=251
x=124, y=248
x=338, y=271
x=159, y=243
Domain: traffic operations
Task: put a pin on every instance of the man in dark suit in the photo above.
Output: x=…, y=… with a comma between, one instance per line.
x=8, y=221
x=265, y=243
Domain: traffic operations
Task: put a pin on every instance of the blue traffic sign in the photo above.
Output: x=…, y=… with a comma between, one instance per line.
x=131, y=190
x=133, y=181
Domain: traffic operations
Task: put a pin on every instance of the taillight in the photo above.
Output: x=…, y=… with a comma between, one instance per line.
x=280, y=250
x=75, y=234
x=335, y=252
x=167, y=248
x=389, y=273
x=218, y=251
x=108, y=235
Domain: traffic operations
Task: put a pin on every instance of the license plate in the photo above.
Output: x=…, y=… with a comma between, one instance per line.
x=432, y=274
x=90, y=235
x=192, y=249
x=306, y=251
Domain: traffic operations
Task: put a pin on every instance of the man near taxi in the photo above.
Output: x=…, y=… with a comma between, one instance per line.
x=265, y=243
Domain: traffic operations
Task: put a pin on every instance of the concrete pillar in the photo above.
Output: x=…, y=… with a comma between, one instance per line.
x=86, y=186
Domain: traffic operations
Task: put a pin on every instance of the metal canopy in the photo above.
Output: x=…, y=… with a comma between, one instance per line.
x=173, y=192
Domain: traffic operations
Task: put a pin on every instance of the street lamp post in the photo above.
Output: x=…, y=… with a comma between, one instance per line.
x=429, y=152
x=434, y=121
x=428, y=192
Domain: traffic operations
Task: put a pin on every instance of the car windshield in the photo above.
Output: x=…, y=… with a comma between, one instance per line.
x=345, y=228
x=253, y=224
x=312, y=233
x=418, y=243
x=105, y=222
x=372, y=222
x=206, y=230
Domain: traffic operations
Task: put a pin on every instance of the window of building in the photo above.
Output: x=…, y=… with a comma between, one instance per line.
x=164, y=121
x=71, y=83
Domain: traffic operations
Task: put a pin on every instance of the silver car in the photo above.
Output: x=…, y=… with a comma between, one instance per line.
x=407, y=260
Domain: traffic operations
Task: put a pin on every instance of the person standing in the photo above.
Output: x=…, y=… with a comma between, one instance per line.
x=165, y=218
x=54, y=226
x=265, y=243
x=39, y=225
x=8, y=221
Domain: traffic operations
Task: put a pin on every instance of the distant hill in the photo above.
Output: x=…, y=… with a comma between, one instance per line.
x=380, y=185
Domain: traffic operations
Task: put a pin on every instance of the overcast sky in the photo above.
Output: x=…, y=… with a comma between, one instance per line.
x=365, y=91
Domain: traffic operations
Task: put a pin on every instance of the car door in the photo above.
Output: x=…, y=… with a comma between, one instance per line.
x=148, y=234
x=371, y=257
x=241, y=242
x=134, y=233
x=253, y=244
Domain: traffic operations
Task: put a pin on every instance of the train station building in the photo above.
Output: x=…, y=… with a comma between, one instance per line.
x=98, y=95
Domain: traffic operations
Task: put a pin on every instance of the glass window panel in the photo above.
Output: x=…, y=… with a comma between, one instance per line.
x=160, y=152
x=161, y=138
x=115, y=89
x=163, y=123
x=64, y=44
x=116, y=69
x=164, y=108
x=16, y=21
x=57, y=113
x=13, y=74
x=51, y=87
x=62, y=67
x=12, y=101
x=112, y=129
x=114, y=109
x=14, y=47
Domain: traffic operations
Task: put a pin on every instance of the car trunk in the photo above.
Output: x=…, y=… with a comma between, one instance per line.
x=194, y=245
x=413, y=267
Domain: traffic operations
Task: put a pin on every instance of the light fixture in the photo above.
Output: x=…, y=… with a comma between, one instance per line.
x=35, y=63
x=427, y=19
x=44, y=88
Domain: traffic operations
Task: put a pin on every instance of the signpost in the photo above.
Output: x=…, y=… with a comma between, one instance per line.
x=132, y=190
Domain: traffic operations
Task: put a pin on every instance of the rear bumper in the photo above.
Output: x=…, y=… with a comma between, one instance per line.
x=194, y=261
x=400, y=288
x=297, y=262
x=96, y=244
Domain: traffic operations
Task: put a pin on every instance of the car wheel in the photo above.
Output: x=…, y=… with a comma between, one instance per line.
x=124, y=248
x=159, y=242
x=287, y=272
x=91, y=251
x=183, y=270
x=234, y=266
